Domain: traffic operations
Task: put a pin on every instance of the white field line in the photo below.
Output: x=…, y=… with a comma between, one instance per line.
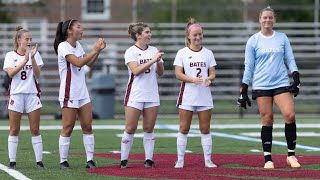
x=243, y=138
x=172, y=126
x=281, y=134
x=14, y=173
x=161, y=135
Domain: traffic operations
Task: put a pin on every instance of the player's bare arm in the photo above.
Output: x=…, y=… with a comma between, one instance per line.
x=84, y=60
x=13, y=71
x=211, y=77
x=35, y=68
x=102, y=45
x=182, y=77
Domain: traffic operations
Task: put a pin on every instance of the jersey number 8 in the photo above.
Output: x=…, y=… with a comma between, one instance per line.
x=23, y=75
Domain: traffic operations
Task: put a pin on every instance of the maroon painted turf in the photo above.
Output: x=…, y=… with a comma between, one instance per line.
x=230, y=166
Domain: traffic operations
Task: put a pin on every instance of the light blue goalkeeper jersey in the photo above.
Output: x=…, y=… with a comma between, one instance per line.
x=266, y=59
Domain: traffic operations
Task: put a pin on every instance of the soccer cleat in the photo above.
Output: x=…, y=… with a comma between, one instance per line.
x=124, y=164
x=91, y=164
x=293, y=162
x=269, y=165
x=64, y=165
x=148, y=163
x=40, y=165
x=209, y=164
x=12, y=165
x=179, y=164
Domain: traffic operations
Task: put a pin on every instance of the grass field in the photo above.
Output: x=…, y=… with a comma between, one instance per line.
x=107, y=141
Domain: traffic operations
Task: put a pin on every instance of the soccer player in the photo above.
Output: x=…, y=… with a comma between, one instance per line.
x=267, y=54
x=195, y=67
x=144, y=64
x=73, y=95
x=23, y=65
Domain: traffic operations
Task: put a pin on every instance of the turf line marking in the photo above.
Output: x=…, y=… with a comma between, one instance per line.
x=193, y=126
x=14, y=173
x=244, y=138
x=281, y=134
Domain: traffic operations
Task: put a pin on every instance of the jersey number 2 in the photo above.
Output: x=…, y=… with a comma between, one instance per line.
x=199, y=72
x=23, y=75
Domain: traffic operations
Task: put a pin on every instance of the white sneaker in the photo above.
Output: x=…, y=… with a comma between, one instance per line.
x=269, y=165
x=209, y=164
x=179, y=164
x=293, y=162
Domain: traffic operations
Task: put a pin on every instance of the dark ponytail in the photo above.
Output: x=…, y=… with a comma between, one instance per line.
x=61, y=33
x=59, y=37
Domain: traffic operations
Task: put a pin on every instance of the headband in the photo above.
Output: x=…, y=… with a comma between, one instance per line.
x=193, y=25
x=69, y=24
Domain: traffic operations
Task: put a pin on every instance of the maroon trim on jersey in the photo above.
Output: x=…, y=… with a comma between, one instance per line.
x=183, y=84
x=18, y=53
x=195, y=50
x=67, y=87
x=9, y=88
x=126, y=99
x=140, y=48
x=37, y=86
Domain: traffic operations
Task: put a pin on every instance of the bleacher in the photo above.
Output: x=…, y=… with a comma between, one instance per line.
x=226, y=40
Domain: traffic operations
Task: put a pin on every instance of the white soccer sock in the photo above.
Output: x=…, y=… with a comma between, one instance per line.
x=148, y=144
x=88, y=142
x=12, y=147
x=206, y=142
x=64, y=143
x=126, y=144
x=182, y=140
x=37, y=147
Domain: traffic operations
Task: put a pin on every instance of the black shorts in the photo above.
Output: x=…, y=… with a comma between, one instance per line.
x=268, y=93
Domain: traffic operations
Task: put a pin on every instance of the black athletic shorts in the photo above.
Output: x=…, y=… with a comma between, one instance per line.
x=268, y=93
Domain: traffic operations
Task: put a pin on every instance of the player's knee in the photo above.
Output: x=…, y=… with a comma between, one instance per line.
x=148, y=129
x=267, y=120
x=290, y=117
x=130, y=130
x=87, y=129
x=35, y=132
x=14, y=131
x=184, y=130
x=66, y=131
x=205, y=130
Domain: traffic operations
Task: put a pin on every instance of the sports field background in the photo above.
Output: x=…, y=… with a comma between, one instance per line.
x=107, y=141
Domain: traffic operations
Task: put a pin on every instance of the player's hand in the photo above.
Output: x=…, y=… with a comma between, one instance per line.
x=34, y=50
x=103, y=43
x=158, y=56
x=207, y=81
x=198, y=80
x=96, y=46
x=295, y=86
x=243, y=99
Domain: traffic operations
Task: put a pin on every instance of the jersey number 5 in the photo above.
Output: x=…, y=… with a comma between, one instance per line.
x=23, y=75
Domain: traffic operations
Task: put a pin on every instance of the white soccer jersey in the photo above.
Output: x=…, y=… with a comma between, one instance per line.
x=144, y=87
x=24, y=81
x=72, y=79
x=195, y=64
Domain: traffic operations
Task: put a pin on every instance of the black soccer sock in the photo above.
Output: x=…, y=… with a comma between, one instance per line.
x=291, y=136
x=266, y=139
